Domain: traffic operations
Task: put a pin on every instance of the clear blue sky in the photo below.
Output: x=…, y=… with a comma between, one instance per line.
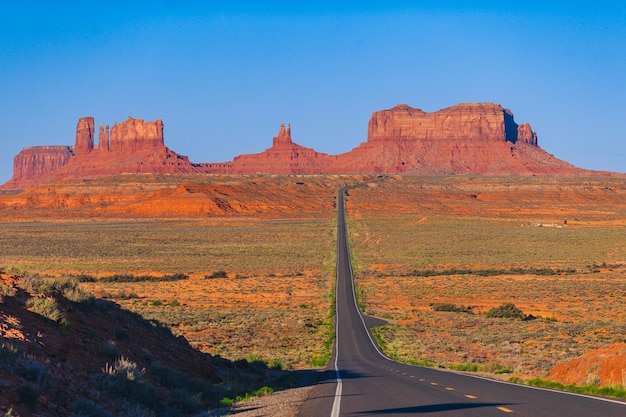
x=224, y=75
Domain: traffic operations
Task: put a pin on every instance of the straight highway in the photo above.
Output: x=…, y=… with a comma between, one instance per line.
x=363, y=382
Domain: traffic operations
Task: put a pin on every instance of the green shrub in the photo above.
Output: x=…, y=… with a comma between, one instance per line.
x=265, y=390
x=466, y=367
x=47, y=285
x=46, y=307
x=226, y=402
x=6, y=291
x=451, y=307
x=506, y=311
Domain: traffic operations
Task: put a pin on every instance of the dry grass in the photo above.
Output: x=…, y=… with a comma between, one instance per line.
x=273, y=306
x=167, y=246
x=572, y=279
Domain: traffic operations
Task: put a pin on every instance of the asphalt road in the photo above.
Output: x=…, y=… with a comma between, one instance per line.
x=363, y=382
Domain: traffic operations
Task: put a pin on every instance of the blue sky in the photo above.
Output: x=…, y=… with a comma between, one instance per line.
x=223, y=76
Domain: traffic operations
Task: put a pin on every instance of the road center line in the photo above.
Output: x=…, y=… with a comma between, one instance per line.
x=504, y=409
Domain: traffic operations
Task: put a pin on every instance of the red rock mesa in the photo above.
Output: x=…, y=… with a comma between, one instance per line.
x=468, y=138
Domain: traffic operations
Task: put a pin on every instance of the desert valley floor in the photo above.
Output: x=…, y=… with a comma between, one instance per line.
x=254, y=255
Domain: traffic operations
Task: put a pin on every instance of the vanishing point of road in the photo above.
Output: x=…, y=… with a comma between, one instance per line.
x=363, y=382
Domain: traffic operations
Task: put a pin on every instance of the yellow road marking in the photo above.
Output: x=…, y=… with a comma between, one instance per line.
x=504, y=409
x=470, y=396
x=412, y=376
x=450, y=388
x=404, y=373
x=422, y=379
x=433, y=383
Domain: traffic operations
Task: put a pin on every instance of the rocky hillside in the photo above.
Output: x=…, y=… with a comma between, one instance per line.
x=64, y=352
x=468, y=138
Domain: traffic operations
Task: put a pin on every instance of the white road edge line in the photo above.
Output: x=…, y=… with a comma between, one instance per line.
x=337, y=401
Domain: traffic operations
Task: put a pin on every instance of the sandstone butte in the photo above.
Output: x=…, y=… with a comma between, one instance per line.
x=465, y=139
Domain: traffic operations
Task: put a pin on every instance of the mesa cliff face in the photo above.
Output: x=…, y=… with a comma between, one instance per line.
x=487, y=122
x=132, y=146
x=36, y=161
x=468, y=138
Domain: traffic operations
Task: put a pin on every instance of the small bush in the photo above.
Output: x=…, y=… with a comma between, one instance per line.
x=46, y=307
x=32, y=371
x=265, y=390
x=466, y=367
x=121, y=295
x=46, y=285
x=6, y=291
x=85, y=278
x=226, y=402
x=451, y=307
x=126, y=368
x=142, y=278
x=217, y=274
x=124, y=379
x=109, y=349
x=506, y=311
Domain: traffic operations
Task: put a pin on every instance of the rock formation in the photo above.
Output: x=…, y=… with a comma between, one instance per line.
x=284, y=157
x=132, y=146
x=84, y=136
x=468, y=138
x=37, y=161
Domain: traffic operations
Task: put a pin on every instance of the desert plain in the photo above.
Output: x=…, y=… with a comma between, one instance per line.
x=254, y=257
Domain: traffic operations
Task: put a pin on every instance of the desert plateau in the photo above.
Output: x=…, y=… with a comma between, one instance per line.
x=135, y=282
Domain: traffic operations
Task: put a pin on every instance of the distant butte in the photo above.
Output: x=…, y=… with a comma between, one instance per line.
x=465, y=139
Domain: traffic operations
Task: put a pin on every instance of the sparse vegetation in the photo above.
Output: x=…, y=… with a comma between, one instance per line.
x=506, y=311
x=217, y=274
x=6, y=291
x=617, y=391
x=46, y=307
x=451, y=307
x=432, y=254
